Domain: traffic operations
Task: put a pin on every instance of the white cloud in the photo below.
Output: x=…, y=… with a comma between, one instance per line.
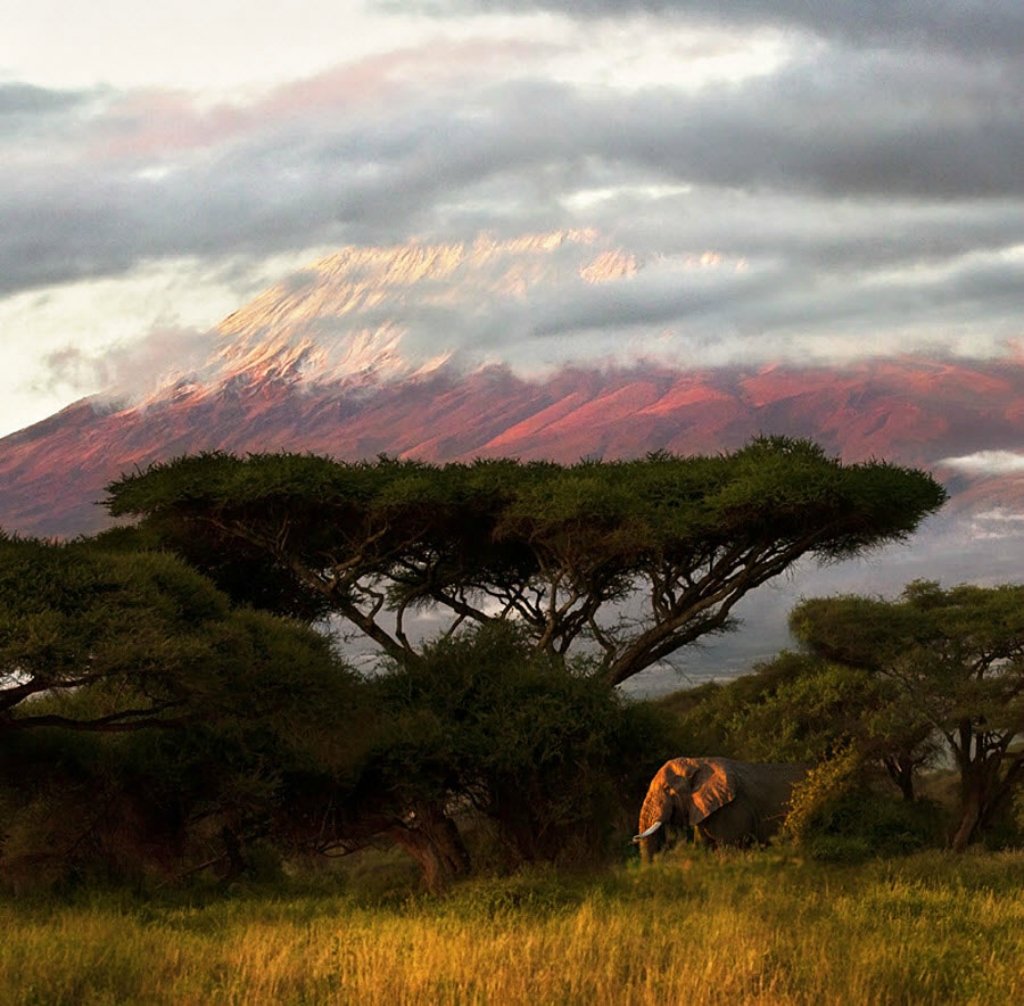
x=866, y=171
x=996, y=524
x=67, y=341
x=215, y=45
x=1000, y=515
x=988, y=463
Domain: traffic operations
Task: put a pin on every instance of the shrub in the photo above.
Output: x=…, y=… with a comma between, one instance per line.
x=552, y=757
x=837, y=816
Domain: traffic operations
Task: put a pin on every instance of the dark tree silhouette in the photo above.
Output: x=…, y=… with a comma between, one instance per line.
x=554, y=547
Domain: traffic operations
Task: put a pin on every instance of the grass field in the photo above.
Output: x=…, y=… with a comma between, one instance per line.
x=695, y=928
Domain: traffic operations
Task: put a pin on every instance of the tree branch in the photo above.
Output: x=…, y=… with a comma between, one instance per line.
x=120, y=722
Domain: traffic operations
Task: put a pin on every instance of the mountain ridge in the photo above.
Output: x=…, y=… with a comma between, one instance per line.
x=385, y=350
x=51, y=471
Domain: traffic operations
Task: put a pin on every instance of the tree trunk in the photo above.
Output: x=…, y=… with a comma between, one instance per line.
x=236, y=861
x=982, y=793
x=901, y=771
x=970, y=815
x=906, y=785
x=431, y=838
x=962, y=836
x=446, y=838
x=419, y=848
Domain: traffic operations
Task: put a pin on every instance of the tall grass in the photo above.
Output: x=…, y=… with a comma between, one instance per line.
x=742, y=928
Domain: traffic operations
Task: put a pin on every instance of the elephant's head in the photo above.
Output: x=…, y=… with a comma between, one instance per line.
x=683, y=793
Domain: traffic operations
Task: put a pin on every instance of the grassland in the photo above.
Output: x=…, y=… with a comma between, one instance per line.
x=741, y=928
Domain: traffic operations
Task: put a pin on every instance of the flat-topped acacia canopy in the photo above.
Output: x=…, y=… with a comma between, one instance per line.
x=551, y=545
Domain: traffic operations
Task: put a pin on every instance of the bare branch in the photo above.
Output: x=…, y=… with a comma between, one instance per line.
x=119, y=722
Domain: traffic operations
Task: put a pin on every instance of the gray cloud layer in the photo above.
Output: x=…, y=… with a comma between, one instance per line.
x=955, y=133
x=26, y=99
x=983, y=26
x=871, y=181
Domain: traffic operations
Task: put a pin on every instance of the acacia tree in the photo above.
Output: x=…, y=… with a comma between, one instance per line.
x=241, y=706
x=957, y=657
x=132, y=634
x=554, y=547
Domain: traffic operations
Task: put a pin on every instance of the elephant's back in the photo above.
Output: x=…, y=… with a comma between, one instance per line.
x=770, y=785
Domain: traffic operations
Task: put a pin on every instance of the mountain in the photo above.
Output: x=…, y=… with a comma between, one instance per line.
x=348, y=358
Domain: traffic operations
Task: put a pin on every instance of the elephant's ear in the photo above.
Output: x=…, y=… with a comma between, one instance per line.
x=714, y=785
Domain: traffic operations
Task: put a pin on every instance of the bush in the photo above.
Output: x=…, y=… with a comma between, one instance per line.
x=837, y=817
x=272, y=715
x=866, y=824
x=555, y=759
x=797, y=707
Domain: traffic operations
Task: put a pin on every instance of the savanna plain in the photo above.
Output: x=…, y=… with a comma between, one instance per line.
x=215, y=807
x=734, y=927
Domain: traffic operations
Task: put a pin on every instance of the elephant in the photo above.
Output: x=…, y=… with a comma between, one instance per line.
x=728, y=802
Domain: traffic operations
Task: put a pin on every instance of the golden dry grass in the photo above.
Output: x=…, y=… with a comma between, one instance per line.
x=694, y=929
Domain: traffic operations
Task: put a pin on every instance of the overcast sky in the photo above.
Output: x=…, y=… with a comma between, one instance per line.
x=159, y=164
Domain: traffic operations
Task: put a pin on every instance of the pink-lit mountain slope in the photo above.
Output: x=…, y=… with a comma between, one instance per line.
x=51, y=473
x=348, y=358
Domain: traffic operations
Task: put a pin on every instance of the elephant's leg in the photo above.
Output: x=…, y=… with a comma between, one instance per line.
x=735, y=824
x=704, y=834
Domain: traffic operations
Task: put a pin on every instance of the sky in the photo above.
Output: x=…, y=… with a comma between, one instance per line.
x=857, y=165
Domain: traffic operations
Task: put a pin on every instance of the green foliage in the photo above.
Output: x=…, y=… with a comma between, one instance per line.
x=134, y=628
x=955, y=659
x=825, y=785
x=268, y=743
x=97, y=648
x=149, y=806
x=541, y=750
x=799, y=708
x=835, y=816
x=244, y=573
x=551, y=546
x=140, y=638
x=869, y=825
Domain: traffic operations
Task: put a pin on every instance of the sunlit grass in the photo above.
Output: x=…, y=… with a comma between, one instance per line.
x=745, y=928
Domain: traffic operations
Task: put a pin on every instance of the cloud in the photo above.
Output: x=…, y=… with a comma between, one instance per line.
x=156, y=359
x=873, y=191
x=729, y=315
x=18, y=99
x=997, y=524
x=134, y=177
x=988, y=463
x=996, y=26
x=1000, y=515
x=154, y=177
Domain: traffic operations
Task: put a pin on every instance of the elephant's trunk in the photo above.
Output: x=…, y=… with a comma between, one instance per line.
x=650, y=831
x=651, y=844
x=651, y=837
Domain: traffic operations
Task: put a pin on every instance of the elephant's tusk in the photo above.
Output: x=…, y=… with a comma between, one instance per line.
x=650, y=831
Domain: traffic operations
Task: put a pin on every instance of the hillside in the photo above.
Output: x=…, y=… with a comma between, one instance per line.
x=350, y=357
